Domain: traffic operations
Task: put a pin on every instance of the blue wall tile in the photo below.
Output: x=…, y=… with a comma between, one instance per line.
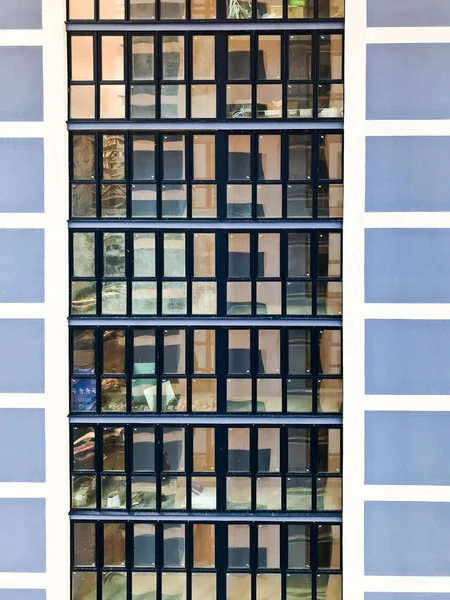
x=401, y=79
x=21, y=265
x=21, y=76
x=407, y=448
x=22, y=535
x=408, y=13
x=21, y=14
x=407, y=357
x=400, y=596
x=22, y=175
x=407, y=174
x=22, y=348
x=406, y=539
x=22, y=595
x=22, y=440
x=407, y=265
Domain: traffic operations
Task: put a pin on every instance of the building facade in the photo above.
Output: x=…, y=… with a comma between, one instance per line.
x=184, y=281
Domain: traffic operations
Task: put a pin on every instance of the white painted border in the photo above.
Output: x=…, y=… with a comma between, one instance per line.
x=353, y=310
x=407, y=584
x=407, y=493
x=56, y=300
x=21, y=37
x=408, y=35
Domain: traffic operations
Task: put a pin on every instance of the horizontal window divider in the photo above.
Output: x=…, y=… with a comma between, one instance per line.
x=212, y=517
x=207, y=126
x=210, y=419
x=189, y=224
x=238, y=25
x=205, y=321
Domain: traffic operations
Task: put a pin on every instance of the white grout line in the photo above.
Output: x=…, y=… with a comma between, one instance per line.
x=407, y=128
x=22, y=311
x=407, y=403
x=407, y=311
x=408, y=35
x=419, y=220
x=21, y=37
x=26, y=581
x=20, y=129
x=407, y=493
x=407, y=584
x=22, y=490
x=23, y=400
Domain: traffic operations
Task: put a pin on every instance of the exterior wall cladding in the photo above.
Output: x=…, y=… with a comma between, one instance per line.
x=404, y=399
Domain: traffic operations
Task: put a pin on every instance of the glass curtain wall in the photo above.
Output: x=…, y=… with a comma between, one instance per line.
x=205, y=299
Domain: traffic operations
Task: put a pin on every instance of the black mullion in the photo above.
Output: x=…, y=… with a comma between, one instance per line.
x=314, y=449
x=97, y=74
x=221, y=144
x=284, y=441
x=129, y=268
x=159, y=554
x=254, y=159
x=159, y=269
x=221, y=559
x=284, y=58
x=314, y=557
x=254, y=247
x=158, y=465
x=284, y=249
x=253, y=439
x=284, y=528
x=98, y=154
x=188, y=464
x=158, y=159
x=129, y=558
x=100, y=557
x=221, y=371
x=188, y=553
x=253, y=554
x=315, y=72
x=254, y=363
x=189, y=168
x=159, y=345
x=222, y=273
x=253, y=66
x=188, y=57
x=284, y=370
x=157, y=68
x=128, y=460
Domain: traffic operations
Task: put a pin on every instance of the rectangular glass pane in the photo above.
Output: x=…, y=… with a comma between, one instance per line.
x=143, y=57
x=269, y=157
x=238, y=57
x=83, y=157
x=112, y=58
x=114, y=488
x=84, y=585
x=300, y=156
x=173, y=57
x=114, y=298
x=82, y=67
x=269, y=201
x=299, y=352
x=239, y=449
x=239, y=356
x=174, y=351
x=329, y=586
x=239, y=101
x=268, y=585
x=204, y=255
x=83, y=348
x=269, y=392
x=299, y=450
x=238, y=584
x=299, y=256
x=329, y=493
x=204, y=351
x=329, y=547
x=204, y=395
x=203, y=54
x=203, y=101
x=173, y=10
x=82, y=102
x=173, y=395
x=144, y=254
x=174, y=255
x=268, y=255
x=204, y=157
x=239, y=201
x=203, y=9
x=143, y=201
x=299, y=538
x=113, y=449
x=173, y=586
x=204, y=449
x=330, y=395
x=268, y=351
x=114, y=200
x=174, y=545
x=143, y=449
x=174, y=298
x=174, y=201
x=144, y=545
x=268, y=450
x=300, y=52
x=112, y=101
x=84, y=545
x=81, y=9
x=239, y=157
x=83, y=448
x=143, y=585
x=269, y=57
x=298, y=493
x=112, y=9
x=114, y=544
x=143, y=298
x=173, y=449
x=330, y=349
x=174, y=157
x=204, y=298
x=113, y=254
x=299, y=395
x=268, y=298
x=300, y=97
x=84, y=298
x=83, y=395
x=238, y=546
x=83, y=254
x=239, y=298
x=143, y=157
x=268, y=546
x=239, y=255
x=143, y=495
x=114, y=395
x=330, y=56
x=142, y=9
x=204, y=586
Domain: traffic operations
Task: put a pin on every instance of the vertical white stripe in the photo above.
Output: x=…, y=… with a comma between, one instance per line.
x=56, y=286
x=353, y=320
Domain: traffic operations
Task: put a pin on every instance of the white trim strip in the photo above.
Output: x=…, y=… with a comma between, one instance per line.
x=414, y=220
x=408, y=35
x=21, y=37
x=22, y=220
x=22, y=400
x=26, y=581
x=22, y=311
x=407, y=128
x=407, y=403
x=407, y=493
x=429, y=312
x=19, y=129
x=22, y=490
x=407, y=584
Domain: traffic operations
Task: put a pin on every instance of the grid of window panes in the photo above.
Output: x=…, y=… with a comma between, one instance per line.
x=206, y=273
x=206, y=561
x=179, y=10
x=191, y=370
x=207, y=175
x=172, y=75
x=206, y=468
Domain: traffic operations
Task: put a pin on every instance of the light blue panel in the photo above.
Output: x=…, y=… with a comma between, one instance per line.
x=22, y=175
x=22, y=535
x=22, y=441
x=22, y=348
x=22, y=595
x=399, y=596
x=407, y=265
x=405, y=81
x=407, y=357
x=406, y=539
x=407, y=174
x=21, y=14
x=21, y=265
x=21, y=76
x=407, y=448
x=408, y=13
